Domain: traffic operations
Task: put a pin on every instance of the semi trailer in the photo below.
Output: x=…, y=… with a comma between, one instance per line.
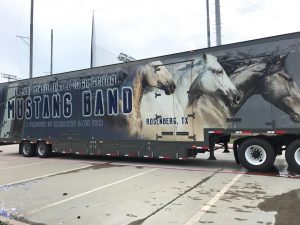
x=170, y=107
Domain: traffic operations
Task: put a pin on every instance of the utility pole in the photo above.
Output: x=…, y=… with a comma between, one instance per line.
x=31, y=40
x=24, y=39
x=218, y=22
x=51, y=57
x=208, y=23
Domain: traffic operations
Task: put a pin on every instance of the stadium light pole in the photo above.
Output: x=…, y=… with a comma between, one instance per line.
x=218, y=22
x=92, y=41
x=208, y=23
x=31, y=40
x=51, y=54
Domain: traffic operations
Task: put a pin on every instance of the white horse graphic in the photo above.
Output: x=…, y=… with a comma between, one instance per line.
x=208, y=77
x=214, y=84
x=267, y=79
x=213, y=80
x=212, y=111
x=153, y=75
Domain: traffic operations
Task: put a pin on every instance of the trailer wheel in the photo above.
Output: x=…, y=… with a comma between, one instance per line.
x=27, y=149
x=292, y=155
x=256, y=154
x=42, y=149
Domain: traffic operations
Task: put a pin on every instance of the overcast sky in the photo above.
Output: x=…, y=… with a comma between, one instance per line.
x=141, y=28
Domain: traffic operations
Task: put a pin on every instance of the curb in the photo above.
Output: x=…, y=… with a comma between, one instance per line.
x=11, y=222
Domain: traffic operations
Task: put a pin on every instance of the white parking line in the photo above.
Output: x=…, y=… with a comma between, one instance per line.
x=10, y=157
x=11, y=160
x=28, y=164
x=44, y=176
x=208, y=205
x=91, y=191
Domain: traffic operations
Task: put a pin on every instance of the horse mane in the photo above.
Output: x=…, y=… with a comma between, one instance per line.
x=193, y=96
x=274, y=64
x=194, y=92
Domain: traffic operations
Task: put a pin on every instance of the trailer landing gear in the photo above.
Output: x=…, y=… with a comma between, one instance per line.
x=226, y=148
x=212, y=151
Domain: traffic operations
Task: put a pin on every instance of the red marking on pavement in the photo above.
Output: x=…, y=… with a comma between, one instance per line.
x=280, y=132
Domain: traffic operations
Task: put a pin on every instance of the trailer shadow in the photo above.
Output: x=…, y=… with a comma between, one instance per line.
x=280, y=169
x=225, y=163
x=191, y=163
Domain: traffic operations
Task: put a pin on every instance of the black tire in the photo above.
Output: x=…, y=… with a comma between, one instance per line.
x=27, y=149
x=292, y=155
x=42, y=150
x=256, y=154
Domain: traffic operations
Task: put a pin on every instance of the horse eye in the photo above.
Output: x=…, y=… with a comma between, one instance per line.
x=214, y=71
x=220, y=72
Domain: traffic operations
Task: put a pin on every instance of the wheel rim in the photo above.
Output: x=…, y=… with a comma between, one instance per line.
x=256, y=155
x=26, y=149
x=297, y=156
x=41, y=150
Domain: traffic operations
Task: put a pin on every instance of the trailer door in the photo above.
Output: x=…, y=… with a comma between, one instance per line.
x=165, y=117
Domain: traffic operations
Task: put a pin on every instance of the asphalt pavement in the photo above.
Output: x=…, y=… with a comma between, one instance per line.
x=101, y=190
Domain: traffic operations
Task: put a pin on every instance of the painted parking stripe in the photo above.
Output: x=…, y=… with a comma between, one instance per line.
x=208, y=205
x=92, y=191
x=11, y=160
x=28, y=164
x=44, y=176
x=10, y=157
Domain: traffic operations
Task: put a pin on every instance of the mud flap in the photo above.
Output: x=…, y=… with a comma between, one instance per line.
x=235, y=151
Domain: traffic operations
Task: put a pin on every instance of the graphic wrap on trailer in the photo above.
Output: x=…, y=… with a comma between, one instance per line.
x=178, y=99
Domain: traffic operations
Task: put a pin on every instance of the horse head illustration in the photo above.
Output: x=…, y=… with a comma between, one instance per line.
x=157, y=75
x=284, y=93
x=213, y=80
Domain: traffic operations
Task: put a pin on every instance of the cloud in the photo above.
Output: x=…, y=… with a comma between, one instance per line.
x=141, y=28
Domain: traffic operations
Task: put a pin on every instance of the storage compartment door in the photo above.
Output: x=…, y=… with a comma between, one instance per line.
x=165, y=117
